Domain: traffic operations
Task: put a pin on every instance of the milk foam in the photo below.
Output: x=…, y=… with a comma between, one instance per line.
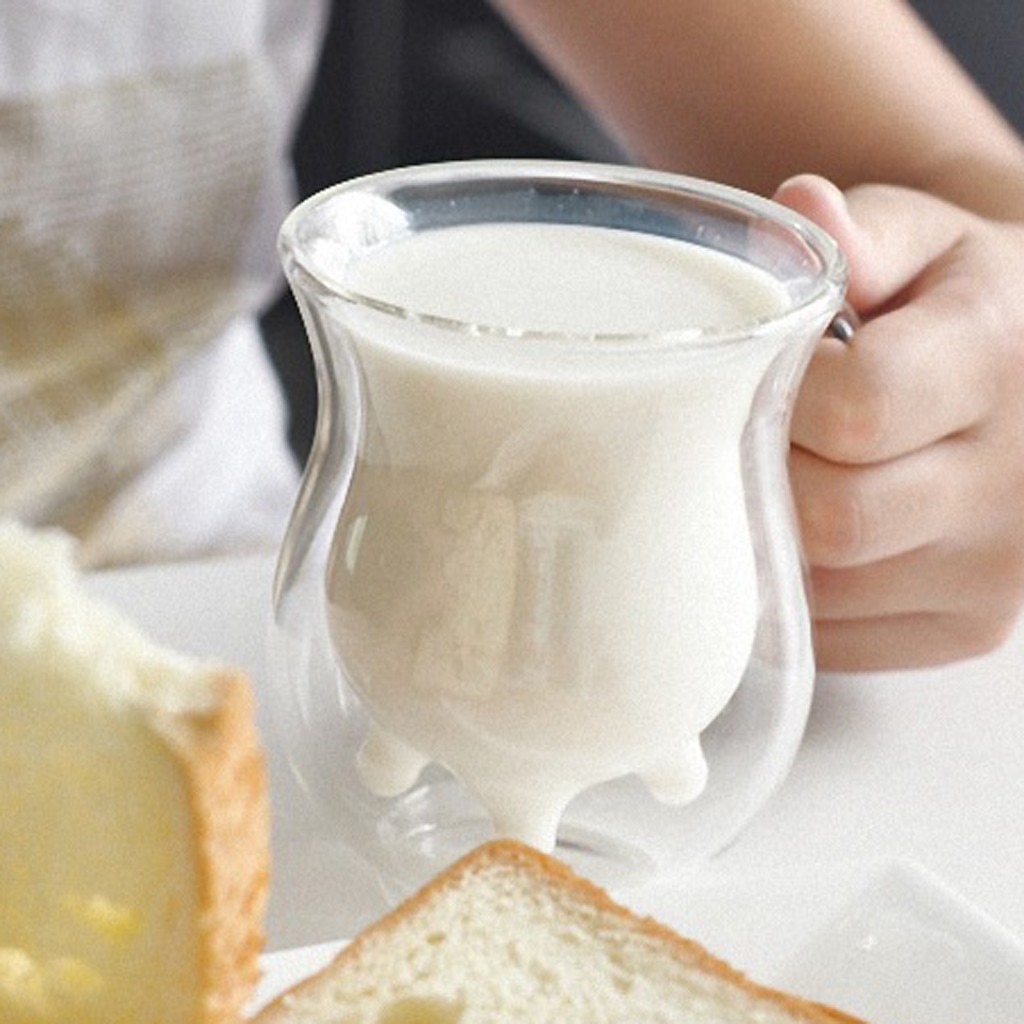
x=542, y=576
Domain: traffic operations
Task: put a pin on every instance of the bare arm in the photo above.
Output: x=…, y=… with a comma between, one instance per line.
x=754, y=93
x=907, y=460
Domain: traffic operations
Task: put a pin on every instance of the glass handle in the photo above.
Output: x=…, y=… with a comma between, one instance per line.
x=844, y=324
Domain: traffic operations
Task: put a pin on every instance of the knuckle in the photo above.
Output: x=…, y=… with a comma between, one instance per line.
x=833, y=527
x=979, y=635
x=854, y=427
x=995, y=617
x=1004, y=582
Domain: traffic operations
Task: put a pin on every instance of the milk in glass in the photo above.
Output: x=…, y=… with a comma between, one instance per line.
x=542, y=577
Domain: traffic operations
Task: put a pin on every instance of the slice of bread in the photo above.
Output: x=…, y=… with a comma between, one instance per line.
x=509, y=935
x=133, y=812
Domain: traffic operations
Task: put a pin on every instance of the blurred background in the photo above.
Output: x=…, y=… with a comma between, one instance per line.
x=414, y=81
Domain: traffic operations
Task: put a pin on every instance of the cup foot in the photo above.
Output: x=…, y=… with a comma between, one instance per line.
x=437, y=822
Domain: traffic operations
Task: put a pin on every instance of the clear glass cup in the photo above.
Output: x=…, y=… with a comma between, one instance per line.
x=545, y=581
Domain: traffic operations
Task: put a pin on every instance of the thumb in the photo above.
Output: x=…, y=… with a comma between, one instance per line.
x=889, y=234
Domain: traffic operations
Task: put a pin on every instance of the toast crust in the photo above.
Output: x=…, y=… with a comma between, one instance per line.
x=225, y=775
x=553, y=874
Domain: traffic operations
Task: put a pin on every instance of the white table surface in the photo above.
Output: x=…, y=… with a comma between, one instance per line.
x=922, y=766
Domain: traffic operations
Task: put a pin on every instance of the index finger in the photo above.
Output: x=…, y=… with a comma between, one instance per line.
x=907, y=379
x=889, y=234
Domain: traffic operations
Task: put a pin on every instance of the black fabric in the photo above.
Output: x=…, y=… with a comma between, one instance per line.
x=987, y=36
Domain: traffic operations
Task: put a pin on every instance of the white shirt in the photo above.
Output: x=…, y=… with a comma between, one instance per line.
x=143, y=176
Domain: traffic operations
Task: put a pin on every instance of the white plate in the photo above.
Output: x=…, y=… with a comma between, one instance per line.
x=283, y=969
x=886, y=941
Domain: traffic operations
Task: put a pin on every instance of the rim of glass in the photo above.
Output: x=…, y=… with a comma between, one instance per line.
x=820, y=301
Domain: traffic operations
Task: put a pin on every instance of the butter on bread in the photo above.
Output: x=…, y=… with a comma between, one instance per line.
x=133, y=812
x=507, y=935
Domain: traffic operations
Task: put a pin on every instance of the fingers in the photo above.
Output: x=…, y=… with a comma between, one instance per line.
x=939, y=603
x=914, y=561
x=889, y=235
x=851, y=517
x=937, y=579
x=908, y=451
x=950, y=598
x=908, y=379
x=905, y=641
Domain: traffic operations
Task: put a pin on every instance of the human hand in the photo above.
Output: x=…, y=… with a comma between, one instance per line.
x=907, y=456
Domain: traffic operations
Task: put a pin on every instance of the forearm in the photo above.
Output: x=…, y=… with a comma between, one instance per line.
x=992, y=188
x=753, y=93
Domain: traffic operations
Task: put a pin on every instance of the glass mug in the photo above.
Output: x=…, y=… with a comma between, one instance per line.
x=543, y=578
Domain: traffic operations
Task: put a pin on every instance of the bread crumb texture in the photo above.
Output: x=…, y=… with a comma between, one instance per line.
x=133, y=821
x=508, y=935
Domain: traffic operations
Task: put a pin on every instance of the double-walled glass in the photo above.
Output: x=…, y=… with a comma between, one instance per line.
x=545, y=582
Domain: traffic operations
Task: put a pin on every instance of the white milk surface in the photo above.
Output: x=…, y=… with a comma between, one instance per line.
x=565, y=278
x=542, y=576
